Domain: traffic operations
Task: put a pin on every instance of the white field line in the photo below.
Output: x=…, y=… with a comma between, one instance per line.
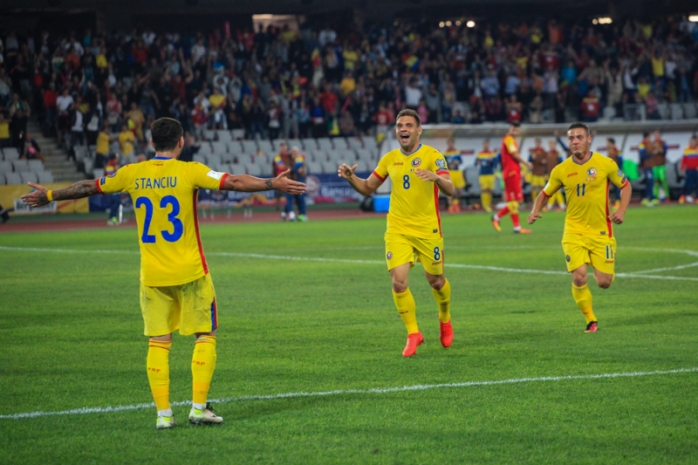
x=670, y=268
x=350, y=261
x=292, y=395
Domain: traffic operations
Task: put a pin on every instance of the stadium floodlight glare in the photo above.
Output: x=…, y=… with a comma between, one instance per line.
x=448, y=23
x=442, y=24
x=605, y=20
x=693, y=18
x=458, y=23
x=470, y=23
x=594, y=21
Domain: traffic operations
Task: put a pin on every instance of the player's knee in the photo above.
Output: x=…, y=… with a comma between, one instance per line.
x=399, y=285
x=579, y=279
x=436, y=282
x=604, y=281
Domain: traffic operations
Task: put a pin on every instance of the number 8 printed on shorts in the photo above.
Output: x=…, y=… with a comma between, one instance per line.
x=437, y=254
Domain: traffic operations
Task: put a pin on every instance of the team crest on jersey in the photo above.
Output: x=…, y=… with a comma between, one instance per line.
x=389, y=256
x=416, y=162
x=441, y=163
x=592, y=172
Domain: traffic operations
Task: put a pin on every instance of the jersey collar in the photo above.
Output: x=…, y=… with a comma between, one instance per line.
x=162, y=158
x=574, y=160
x=412, y=152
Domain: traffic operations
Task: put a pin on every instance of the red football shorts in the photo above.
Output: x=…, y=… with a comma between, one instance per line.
x=512, y=187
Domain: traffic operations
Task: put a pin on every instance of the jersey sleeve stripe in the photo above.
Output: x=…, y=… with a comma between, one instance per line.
x=545, y=193
x=99, y=189
x=625, y=184
x=440, y=172
x=198, y=236
x=378, y=176
x=222, y=183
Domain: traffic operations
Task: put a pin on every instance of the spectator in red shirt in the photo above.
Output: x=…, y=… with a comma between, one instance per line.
x=50, y=96
x=513, y=109
x=591, y=108
x=328, y=99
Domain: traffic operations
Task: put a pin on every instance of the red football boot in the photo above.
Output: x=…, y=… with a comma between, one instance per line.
x=446, y=334
x=413, y=341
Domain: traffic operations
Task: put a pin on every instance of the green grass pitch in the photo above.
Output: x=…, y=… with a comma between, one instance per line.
x=307, y=308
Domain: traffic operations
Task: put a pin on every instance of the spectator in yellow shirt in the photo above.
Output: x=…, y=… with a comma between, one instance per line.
x=126, y=140
x=136, y=120
x=350, y=57
x=4, y=131
x=218, y=102
x=348, y=84
x=103, y=140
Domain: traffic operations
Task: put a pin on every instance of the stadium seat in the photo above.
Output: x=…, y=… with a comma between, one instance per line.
x=672, y=176
x=20, y=165
x=472, y=181
x=676, y=111
x=45, y=177
x=325, y=143
x=219, y=147
x=354, y=143
x=10, y=153
x=205, y=149
x=309, y=144
x=689, y=110
x=254, y=170
x=329, y=167
x=36, y=165
x=314, y=167
x=234, y=168
x=664, y=110
x=5, y=167
x=97, y=173
x=13, y=178
x=224, y=136
x=249, y=146
x=3, y=181
x=237, y=134
x=266, y=146
x=28, y=176
x=200, y=158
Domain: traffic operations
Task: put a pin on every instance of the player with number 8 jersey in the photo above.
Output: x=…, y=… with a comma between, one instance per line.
x=176, y=289
x=418, y=173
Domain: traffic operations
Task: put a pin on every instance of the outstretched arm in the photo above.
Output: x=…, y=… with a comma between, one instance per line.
x=42, y=196
x=247, y=183
x=364, y=187
x=625, y=194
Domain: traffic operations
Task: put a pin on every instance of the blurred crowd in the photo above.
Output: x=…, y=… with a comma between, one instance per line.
x=278, y=82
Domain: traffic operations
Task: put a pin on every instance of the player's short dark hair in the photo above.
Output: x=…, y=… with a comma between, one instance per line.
x=611, y=140
x=409, y=112
x=579, y=125
x=645, y=134
x=515, y=124
x=166, y=133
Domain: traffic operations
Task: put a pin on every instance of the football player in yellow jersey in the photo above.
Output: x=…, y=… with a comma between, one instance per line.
x=588, y=237
x=176, y=290
x=418, y=173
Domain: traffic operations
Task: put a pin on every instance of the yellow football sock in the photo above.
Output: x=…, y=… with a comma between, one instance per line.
x=486, y=200
x=158, y=363
x=443, y=300
x=582, y=295
x=202, y=365
x=407, y=308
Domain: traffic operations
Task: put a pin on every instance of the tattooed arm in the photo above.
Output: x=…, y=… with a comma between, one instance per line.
x=245, y=183
x=78, y=190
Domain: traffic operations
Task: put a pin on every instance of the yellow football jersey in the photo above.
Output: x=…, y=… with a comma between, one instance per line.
x=164, y=193
x=414, y=204
x=586, y=187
